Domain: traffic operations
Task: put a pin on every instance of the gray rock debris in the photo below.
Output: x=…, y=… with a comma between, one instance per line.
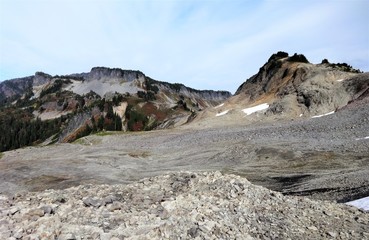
x=177, y=206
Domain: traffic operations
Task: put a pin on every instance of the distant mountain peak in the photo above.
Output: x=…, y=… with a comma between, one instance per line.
x=103, y=99
x=290, y=87
x=280, y=65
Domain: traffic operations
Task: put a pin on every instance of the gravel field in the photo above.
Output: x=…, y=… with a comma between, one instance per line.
x=181, y=205
x=324, y=158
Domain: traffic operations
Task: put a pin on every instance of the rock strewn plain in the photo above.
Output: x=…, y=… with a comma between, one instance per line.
x=182, y=205
x=325, y=158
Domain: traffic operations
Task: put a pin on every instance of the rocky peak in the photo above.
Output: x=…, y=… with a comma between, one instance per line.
x=292, y=86
x=277, y=71
x=41, y=78
x=11, y=89
x=278, y=55
x=101, y=73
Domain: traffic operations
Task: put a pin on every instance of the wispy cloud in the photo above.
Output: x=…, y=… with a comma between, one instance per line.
x=204, y=44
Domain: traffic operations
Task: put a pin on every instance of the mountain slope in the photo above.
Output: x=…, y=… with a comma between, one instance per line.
x=103, y=99
x=289, y=87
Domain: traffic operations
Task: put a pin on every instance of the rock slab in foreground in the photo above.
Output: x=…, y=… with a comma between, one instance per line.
x=177, y=206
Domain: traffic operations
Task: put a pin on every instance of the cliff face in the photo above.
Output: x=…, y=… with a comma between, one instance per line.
x=41, y=78
x=15, y=87
x=103, y=80
x=216, y=96
x=113, y=74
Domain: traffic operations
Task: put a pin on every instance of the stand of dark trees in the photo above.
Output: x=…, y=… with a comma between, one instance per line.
x=21, y=130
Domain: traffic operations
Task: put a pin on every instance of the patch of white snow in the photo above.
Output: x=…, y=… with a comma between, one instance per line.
x=222, y=113
x=339, y=80
x=326, y=114
x=257, y=108
x=362, y=138
x=362, y=203
x=300, y=114
x=220, y=105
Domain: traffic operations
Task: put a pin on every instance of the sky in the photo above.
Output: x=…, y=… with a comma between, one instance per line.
x=204, y=44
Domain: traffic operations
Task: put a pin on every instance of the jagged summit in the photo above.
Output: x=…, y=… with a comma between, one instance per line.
x=105, y=73
x=294, y=58
x=282, y=68
x=97, y=80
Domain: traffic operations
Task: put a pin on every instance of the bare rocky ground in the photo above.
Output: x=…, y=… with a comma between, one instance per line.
x=320, y=157
x=324, y=158
x=181, y=205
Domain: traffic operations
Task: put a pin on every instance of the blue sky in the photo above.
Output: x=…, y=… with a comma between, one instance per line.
x=203, y=44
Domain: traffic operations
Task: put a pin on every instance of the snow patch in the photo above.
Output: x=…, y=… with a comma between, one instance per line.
x=362, y=203
x=257, y=108
x=222, y=113
x=300, y=115
x=339, y=80
x=220, y=105
x=326, y=114
x=362, y=138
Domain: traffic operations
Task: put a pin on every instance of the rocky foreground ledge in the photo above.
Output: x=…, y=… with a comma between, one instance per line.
x=177, y=206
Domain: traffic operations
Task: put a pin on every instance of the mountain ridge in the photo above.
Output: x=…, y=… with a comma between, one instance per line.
x=102, y=99
x=285, y=88
x=96, y=73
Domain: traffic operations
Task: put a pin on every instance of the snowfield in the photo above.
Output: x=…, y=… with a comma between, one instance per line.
x=257, y=108
x=362, y=203
x=357, y=139
x=222, y=113
x=326, y=114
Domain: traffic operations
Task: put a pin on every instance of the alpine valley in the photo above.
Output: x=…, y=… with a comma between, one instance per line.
x=115, y=154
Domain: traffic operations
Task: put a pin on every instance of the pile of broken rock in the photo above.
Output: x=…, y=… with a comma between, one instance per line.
x=180, y=205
